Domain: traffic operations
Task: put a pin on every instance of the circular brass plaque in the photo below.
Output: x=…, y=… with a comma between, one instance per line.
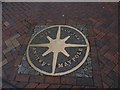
x=57, y=50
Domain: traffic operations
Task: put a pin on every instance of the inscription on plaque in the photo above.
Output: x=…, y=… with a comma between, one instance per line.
x=57, y=50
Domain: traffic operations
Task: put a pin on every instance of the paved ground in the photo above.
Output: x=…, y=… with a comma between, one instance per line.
x=19, y=20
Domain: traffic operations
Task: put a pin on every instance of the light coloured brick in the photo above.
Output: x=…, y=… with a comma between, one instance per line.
x=14, y=37
x=12, y=40
x=6, y=23
x=7, y=49
x=8, y=42
x=15, y=43
x=3, y=62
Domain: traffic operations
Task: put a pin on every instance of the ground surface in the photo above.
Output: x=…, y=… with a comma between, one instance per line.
x=19, y=20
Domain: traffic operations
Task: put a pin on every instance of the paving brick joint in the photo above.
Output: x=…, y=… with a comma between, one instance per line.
x=19, y=23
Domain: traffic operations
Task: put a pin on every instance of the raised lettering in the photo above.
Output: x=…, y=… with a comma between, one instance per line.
x=43, y=64
x=60, y=65
x=73, y=59
x=76, y=56
x=69, y=61
x=65, y=64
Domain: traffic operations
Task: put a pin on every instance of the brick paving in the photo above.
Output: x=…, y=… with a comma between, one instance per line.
x=19, y=20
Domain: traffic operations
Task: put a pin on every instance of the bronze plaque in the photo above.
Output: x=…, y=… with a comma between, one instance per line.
x=57, y=50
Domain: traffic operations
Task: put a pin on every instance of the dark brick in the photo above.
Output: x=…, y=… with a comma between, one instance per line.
x=3, y=45
x=42, y=86
x=105, y=85
x=76, y=87
x=107, y=80
x=18, y=49
x=111, y=57
x=67, y=87
x=97, y=31
x=100, y=43
x=95, y=64
x=8, y=65
x=12, y=74
x=52, y=80
x=93, y=52
x=14, y=53
x=31, y=85
x=113, y=76
x=21, y=84
x=90, y=31
x=101, y=65
x=93, y=20
x=103, y=59
x=98, y=24
x=14, y=82
x=68, y=80
x=92, y=41
x=85, y=81
x=3, y=74
x=9, y=56
x=108, y=67
x=109, y=35
x=97, y=79
x=104, y=49
x=100, y=35
x=23, y=78
x=54, y=86
x=116, y=69
x=18, y=61
x=21, y=38
x=113, y=42
x=26, y=40
x=4, y=85
x=5, y=35
x=112, y=51
x=37, y=79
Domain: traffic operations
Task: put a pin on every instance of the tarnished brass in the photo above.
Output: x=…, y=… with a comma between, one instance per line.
x=56, y=46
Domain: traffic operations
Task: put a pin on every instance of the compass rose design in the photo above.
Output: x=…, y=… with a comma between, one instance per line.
x=56, y=46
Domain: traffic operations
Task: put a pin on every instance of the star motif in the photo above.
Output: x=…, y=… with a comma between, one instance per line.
x=56, y=46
